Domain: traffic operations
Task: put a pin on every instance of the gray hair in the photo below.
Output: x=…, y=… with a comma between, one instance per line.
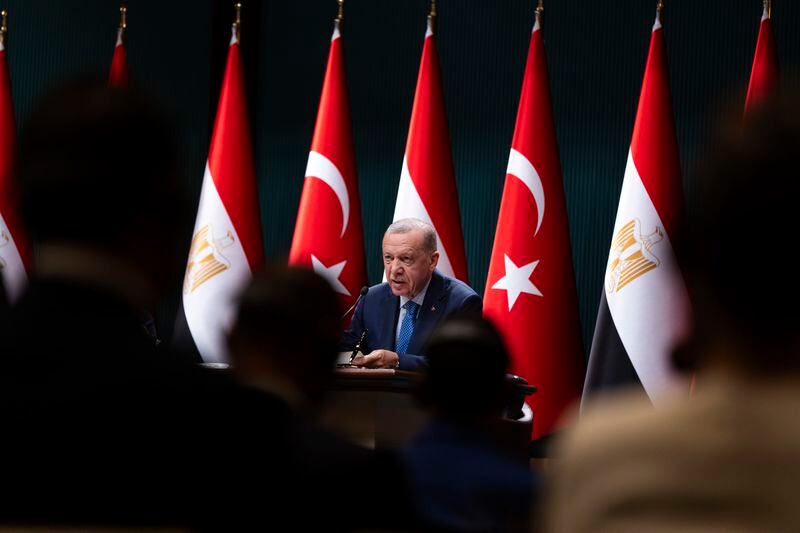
x=405, y=225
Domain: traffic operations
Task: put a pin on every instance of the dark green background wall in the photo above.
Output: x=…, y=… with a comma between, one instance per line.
x=596, y=52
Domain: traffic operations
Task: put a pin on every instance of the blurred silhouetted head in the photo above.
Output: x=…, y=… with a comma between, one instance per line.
x=288, y=323
x=740, y=242
x=467, y=364
x=96, y=168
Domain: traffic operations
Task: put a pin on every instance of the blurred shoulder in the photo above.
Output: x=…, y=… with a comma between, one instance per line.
x=607, y=426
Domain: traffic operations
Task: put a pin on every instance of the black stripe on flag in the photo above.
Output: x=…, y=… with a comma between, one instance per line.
x=609, y=366
x=182, y=339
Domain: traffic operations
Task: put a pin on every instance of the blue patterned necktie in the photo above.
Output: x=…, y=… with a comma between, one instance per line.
x=407, y=327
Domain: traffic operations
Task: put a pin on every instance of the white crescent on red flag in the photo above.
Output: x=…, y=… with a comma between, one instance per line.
x=226, y=244
x=15, y=252
x=530, y=288
x=644, y=309
x=427, y=189
x=764, y=73
x=328, y=234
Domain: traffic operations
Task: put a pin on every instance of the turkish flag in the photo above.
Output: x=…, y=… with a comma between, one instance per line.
x=764, y=74
x=427, y=189
x=15, y=253
x=530, y=288
x=118, y=76
x=328, y=234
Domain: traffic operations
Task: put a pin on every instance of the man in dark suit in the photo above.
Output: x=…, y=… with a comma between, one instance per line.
x=400, y=313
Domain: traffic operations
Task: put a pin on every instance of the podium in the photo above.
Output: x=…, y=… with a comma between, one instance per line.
x=377, y=408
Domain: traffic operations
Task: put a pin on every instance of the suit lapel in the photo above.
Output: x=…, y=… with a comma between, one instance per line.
x=430, y=313
x=388, y=321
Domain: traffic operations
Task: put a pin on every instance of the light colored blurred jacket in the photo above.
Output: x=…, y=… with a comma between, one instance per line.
x=726, y=459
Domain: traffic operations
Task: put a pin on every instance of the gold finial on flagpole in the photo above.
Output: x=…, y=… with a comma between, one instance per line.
x=660, y=7
x=3, y=27
x=123, y=17
x=237, y=25
x=539, y=11
x=768, y=8
x=340, y=14
x=432, y=15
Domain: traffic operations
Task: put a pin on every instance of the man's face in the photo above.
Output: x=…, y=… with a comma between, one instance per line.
x=407, y=264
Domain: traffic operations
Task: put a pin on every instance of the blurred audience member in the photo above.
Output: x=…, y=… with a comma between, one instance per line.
x=463, y=476
x=284, y=343
x=98, y=426
x=728, y=457
x=285, y=337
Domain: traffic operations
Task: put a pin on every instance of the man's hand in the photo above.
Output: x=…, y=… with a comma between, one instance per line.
x=378, y=359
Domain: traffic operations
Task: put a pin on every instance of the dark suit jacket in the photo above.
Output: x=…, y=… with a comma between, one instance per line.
x=379, y=309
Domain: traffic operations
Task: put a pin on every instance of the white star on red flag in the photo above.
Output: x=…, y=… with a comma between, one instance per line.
x=331, y=273
x=517, y=280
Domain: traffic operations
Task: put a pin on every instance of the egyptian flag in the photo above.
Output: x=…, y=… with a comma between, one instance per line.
x=15, y=252
x=118, y=76
x=530, y=289
x=764, y=74
x=644, y=307
x=328, y=235
x=226, y=245
x=427, y=188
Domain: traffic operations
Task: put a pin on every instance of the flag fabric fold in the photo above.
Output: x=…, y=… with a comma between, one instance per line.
x=226, y=246
x=15, y=252
x=764, y=73
x=427, y=189
x=328, y=234
x=644, y=306
x=530, y=288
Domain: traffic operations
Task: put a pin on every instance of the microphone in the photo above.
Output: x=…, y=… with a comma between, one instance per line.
x=364, y=290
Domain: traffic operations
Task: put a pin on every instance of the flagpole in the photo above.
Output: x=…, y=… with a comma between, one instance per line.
x=768, y=8
x=432, y=15
x=540, y=12
x=3, y=27
x=237, y=25
x=340, y=15
x=123, y=20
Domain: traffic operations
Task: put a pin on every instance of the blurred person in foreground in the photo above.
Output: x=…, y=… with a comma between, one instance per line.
x=284, y=343
x=464, y=475
x=100, y=427
x=726, y=458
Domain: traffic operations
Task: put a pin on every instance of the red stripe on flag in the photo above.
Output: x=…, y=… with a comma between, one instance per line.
x=654, y=145
x=230, y=160
x=8, y=143
x=430, y=161
x=118, y=76
x=764, y=73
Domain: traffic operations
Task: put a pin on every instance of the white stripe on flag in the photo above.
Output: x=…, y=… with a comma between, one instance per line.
x=219, y=270
x=649, y=311
x=12, y=268
x=409, y=205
